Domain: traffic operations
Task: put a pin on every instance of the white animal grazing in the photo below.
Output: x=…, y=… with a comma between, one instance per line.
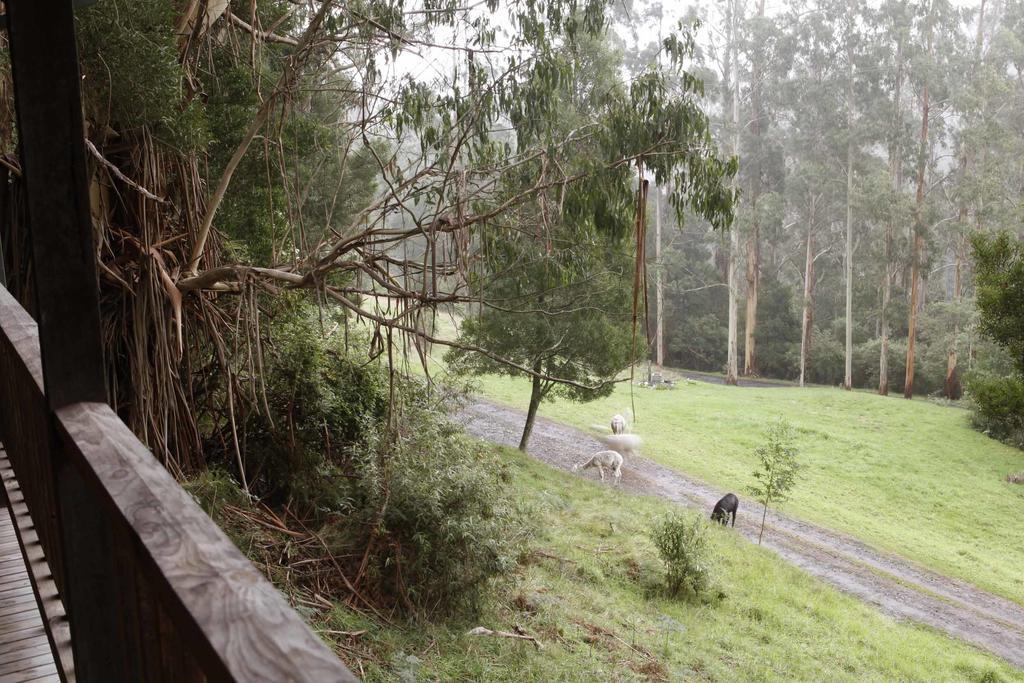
x=602, y=460
x=625, y=444
x=618, y=424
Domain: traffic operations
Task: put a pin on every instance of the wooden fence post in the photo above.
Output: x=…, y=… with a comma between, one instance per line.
x=50, y=128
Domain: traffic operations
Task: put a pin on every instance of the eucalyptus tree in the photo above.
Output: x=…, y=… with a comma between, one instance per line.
x=769, y=55
x=363, y=153
x=556, y=273
x=892, y=50
x=938, y=26
x=757, y=47
x=815, y=142
x=851, y=39
x=987, y=143
x=732, y=81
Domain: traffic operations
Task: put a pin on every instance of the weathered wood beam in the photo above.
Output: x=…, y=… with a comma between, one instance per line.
x=239, y=627
x=44, y=62
x=44, y=66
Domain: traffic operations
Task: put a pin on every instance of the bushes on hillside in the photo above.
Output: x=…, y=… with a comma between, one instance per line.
x=417, y=515
x=683, y=544
x=998, y=407
x=999, y=274
x=430, y=511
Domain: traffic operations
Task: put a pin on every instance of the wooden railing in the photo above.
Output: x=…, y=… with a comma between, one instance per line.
x=191, y=606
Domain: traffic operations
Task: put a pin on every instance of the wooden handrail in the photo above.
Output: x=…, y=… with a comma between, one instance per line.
x=197, y=607
x=239, y=625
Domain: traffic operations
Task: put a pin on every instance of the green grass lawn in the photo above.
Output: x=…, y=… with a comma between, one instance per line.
x=911, y=477
x=588, y=591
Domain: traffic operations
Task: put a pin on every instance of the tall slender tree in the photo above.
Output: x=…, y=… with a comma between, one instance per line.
x=756, y=179
x=917, y=239
x=732, y=365
x=848, y=369
x=951, y=387
x=896, y=176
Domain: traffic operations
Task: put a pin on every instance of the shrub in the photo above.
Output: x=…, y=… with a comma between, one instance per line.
x=682, y=543
x=998, y=407
x=418, y=516
x=866, y=364
x=825, y=361
x=430, y=513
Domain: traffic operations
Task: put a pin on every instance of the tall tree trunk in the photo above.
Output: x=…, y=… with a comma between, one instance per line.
x=754, y=239
x=732, y=366
x=732, y=369
x=536, y=394
x=808, y=313
x=753, y=280
x=659, y=294
x=952, y=386
x=848, y=371
x=883, y=360
x=908, y=382
x=953, y=389
x=896, y=172
x=918, y=241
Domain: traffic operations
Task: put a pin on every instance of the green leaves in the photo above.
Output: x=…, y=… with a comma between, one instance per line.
x=999, y=277
x=777, y=466
x=683, y=544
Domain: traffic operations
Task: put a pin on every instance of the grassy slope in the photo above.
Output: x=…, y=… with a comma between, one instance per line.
x=908, y=476
x=600, y=620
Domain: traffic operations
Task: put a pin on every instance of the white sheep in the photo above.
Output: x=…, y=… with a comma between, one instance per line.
x=602, y=460
x=618, y=424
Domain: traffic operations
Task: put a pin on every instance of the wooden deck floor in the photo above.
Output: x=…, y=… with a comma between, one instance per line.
x=25, y=653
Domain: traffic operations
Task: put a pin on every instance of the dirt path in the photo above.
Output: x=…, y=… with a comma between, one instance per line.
x=894, y=585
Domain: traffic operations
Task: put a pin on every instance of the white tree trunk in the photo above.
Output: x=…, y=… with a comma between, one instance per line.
x=848, y=374
x=732, y=367
x=805, y=325
x=918, y=231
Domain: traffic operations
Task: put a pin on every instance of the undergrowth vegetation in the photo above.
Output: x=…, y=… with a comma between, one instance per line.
x=397, y=507
x=998, y=408
x=589, y=587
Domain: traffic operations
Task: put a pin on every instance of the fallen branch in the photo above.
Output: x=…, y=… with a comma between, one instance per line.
x=345, y=634
x=551, y=556
x=121, y=176
x=484, y=631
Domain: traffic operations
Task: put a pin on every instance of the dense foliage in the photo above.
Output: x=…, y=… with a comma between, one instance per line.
x=998, y=399
x=417, y=513
x=561, y=285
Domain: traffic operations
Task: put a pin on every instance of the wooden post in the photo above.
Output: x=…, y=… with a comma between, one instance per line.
x=50, y=129
x=659, y=287
x=5, y=208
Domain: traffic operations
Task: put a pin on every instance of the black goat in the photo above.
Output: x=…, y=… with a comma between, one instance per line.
x=729, y=504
